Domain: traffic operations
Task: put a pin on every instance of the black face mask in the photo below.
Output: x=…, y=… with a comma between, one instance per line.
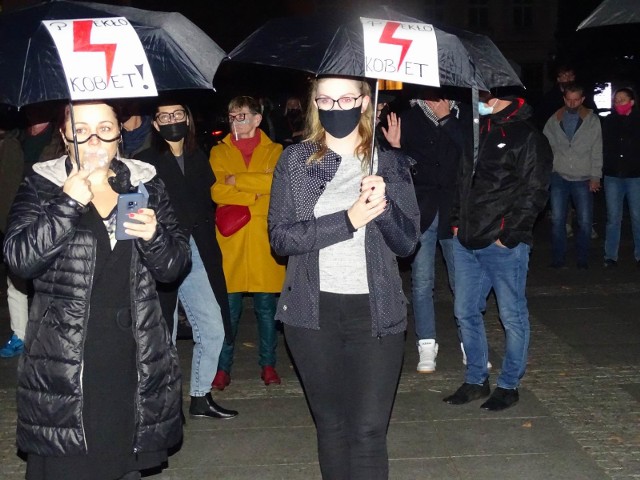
x=340, y=123
x=173, y=132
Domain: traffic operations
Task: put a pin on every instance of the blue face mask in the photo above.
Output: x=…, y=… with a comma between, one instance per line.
x=484, y=109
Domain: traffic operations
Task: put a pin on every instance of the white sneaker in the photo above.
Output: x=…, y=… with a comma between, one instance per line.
x=428, y=351
x=464, y=358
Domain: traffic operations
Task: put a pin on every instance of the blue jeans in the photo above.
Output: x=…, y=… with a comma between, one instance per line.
x=615, y=191
x=505, y=271
x=423, y=272
x=264, y=305
x=561, y=191
x=203, y=313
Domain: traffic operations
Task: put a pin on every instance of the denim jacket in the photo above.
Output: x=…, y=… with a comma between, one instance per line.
x=295, y=232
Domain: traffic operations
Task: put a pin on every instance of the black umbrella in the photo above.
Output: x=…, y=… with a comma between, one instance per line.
x=613, y=12
x=180, y=54
x=331, y=43
x=328, y=44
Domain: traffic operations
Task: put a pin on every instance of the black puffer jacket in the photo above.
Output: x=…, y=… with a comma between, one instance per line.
x=511, y=182
x=46, y=243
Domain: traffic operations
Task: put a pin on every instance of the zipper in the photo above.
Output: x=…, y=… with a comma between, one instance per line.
x=86, y=322
x=134, y=327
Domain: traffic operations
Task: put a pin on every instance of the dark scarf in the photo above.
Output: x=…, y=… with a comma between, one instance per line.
x=134, y=139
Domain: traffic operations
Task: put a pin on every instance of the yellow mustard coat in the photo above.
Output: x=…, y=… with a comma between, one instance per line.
x=247, y=260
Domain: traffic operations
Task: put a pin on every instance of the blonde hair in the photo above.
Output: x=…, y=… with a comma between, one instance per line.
x=317, y=134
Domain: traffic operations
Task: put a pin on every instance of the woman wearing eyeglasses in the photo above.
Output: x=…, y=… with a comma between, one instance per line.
x=184, y=169
x=99, y=381
x=342, y=304
x=243, y=165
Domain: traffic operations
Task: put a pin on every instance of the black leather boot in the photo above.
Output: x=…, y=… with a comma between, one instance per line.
x=206, y=407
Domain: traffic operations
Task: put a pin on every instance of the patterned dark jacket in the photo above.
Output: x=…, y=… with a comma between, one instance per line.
x=295, y=232
x=46, y=242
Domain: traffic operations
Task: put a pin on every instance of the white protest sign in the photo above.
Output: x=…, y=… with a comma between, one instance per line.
x=102, y=58
x=400, y=51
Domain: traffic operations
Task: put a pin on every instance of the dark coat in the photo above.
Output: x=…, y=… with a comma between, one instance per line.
x=295, y=232
x=510, y=186
x=190, y=195
x=437, y=151
x=621, y=145
x=46, y=242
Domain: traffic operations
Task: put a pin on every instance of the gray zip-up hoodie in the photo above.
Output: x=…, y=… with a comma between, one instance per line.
x=581, y=157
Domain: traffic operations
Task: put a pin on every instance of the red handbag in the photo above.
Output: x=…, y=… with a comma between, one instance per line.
x=231, y=218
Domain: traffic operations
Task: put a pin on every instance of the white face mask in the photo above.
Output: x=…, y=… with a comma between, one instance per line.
x=95, y=159
x=485, y=109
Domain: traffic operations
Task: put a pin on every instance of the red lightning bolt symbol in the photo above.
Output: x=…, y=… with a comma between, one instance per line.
x=82, y=43
x=387, y=37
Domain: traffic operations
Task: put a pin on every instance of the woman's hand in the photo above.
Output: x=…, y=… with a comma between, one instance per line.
x=371, y=202
x=78, y=186
x=145, y=230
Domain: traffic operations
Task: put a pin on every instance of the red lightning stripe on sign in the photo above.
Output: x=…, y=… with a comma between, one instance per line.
x=82, y=43
x=387, y=37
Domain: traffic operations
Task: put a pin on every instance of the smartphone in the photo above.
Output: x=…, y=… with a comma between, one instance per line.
x=129, y=203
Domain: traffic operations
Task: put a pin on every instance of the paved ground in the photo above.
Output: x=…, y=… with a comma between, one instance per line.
x=578, y=417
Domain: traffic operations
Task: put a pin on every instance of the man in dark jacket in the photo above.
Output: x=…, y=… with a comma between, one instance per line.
x=432, y=135
x=496, y=204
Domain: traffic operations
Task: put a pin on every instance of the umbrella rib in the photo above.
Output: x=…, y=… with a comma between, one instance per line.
x=24, y=68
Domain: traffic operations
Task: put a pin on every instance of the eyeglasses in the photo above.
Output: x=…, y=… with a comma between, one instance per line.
x=345, y=103
x=84, y=137
x=239, y=117
x=166, y=117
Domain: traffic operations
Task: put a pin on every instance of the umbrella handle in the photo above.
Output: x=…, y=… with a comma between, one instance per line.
x=75, y=135
x=375, y=116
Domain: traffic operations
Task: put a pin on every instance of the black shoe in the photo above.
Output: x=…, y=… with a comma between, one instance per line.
x=468, y=392
x=609, y=263
x=501, y=398
x=206, y=407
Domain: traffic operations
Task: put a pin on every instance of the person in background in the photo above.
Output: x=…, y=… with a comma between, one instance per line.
x=11, y=174
x=432, y=135
x=342, y=304
x=99, y=381
x=136, y=128
x=553, y=99
x=289, y=125
x=549, y=104
x=498, y=198
x=621, y=169
x=186, y=173
x=575, y=136
x=38, y=141
x=243, y=165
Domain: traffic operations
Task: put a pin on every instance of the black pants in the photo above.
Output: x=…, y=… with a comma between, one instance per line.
x=350, y=379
